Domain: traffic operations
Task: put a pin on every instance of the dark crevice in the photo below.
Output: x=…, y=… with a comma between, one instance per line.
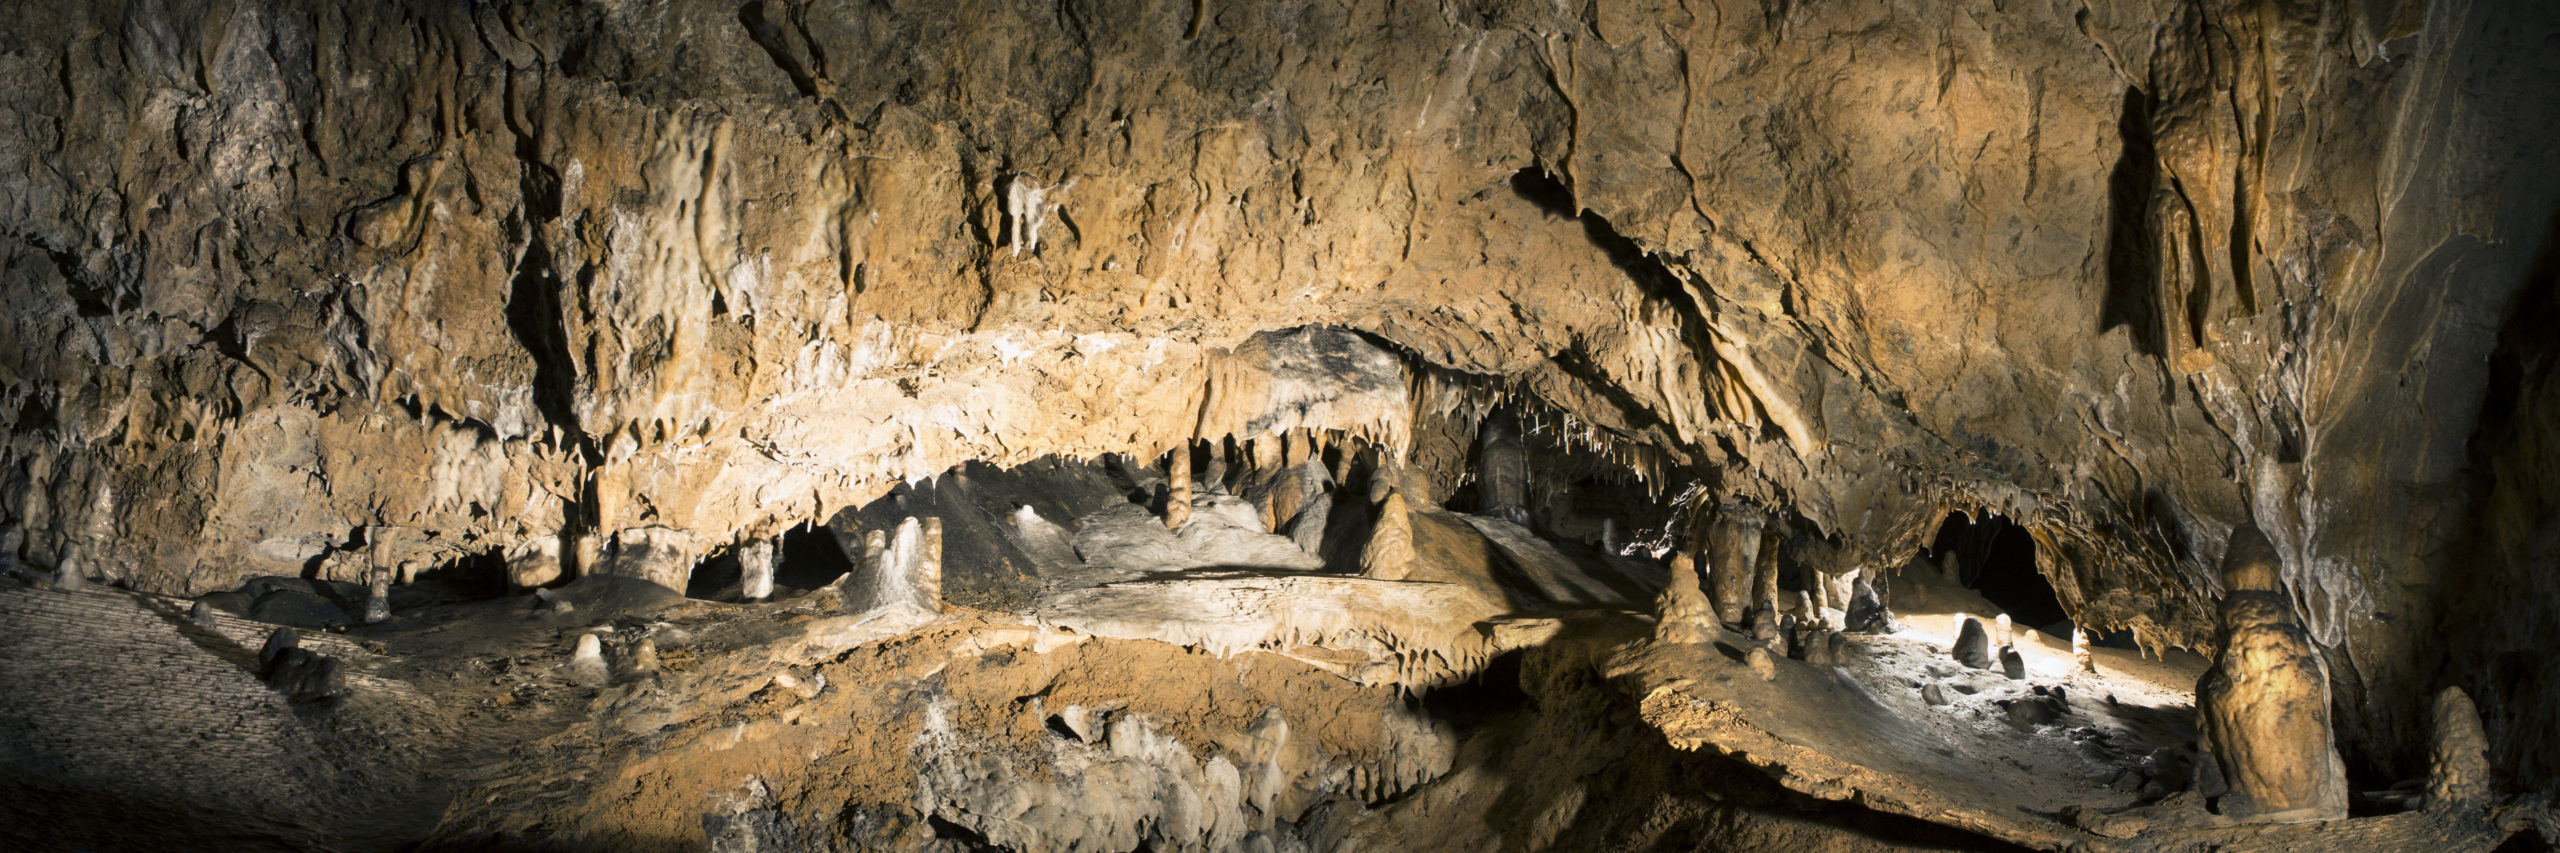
x=2133, y=248
x=809, y=558
x=2199, y=295
x=768, y=34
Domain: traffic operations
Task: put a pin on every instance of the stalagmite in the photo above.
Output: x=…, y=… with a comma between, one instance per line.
x=68, y=574
x=1867, y=613
x=755, y=570
x=586, y=662
x=643, y=662
x=1389, y=554
x=1383, y=477
x=1762, y=662
x=1813, y=644
x=2265, y=704
x=1768, y=628
x=1817, y=598
x=1503, y=468
x=1685, y=614
x=202, y=614
x=2458, y=755
x=1213, y=478
x=1733, y=551
x=2080, y=656
x=1177, y=490
x=1972, y=647
x=590, y=552
x=928, y=567
x=2005, y=636
x=2013, y=664
x=875, y=561
x=1764, y=575
x=377, y=599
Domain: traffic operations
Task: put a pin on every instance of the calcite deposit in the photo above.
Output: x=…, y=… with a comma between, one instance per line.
x=1387, y=343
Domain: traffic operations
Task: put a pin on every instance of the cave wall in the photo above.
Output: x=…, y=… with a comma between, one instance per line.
x=509, y=277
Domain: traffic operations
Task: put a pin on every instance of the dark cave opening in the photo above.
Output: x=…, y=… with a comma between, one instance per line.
x=1997, y=558
x=809, y=558
x=716, y=578
x=805, y=558
x=477, y=577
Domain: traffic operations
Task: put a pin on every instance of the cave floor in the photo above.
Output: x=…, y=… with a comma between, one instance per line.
x=1506, y=694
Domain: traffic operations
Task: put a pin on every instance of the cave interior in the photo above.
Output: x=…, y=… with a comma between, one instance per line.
x=1135, y=425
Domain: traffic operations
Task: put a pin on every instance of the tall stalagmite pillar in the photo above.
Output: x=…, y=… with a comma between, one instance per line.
x=2265, y=703
x=755, y=570
x=1733, y=558
x=1177, y=488
x=928, y=578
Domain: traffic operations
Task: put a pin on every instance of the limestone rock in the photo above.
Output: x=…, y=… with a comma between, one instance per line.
x=1933, y=694
x=377, y=597
x=2265, y=704
x=1762, y=663
x=297, y=672
x=535, y=564
x=1389, y=554
x=2458, y=758
x=1177, y=496
x=279, y=641
x=586, y=662
x=1685, y=614
x=259, y=291
x=68, y=574
x=2013, y=664
x=1972, y=647
x=642, y=660
x=1867, y=613
x=755, y=570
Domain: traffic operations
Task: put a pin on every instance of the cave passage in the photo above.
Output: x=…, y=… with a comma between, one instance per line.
x=1997, y=559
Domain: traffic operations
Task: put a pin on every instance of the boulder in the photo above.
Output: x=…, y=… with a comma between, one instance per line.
x=1973, y=647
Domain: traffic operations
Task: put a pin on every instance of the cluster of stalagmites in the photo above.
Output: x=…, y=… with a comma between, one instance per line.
x=1738, y=591
x=1974, y=647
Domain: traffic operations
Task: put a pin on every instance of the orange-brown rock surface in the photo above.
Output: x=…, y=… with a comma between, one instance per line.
x=623, y=283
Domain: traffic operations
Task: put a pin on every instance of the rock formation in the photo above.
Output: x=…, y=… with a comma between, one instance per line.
x=1684, y=615
x=1389, y=553
x=1733, y=552
x=1867, y=613
x=2458, y=757
x=377, y=596
x=2264, y=706
x=1177, y=490
x=533, y=294
x=586, y=661
x=1972, y=646
x=755, y=570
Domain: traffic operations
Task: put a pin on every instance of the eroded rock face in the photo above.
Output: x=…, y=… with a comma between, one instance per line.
x=2129, y=273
